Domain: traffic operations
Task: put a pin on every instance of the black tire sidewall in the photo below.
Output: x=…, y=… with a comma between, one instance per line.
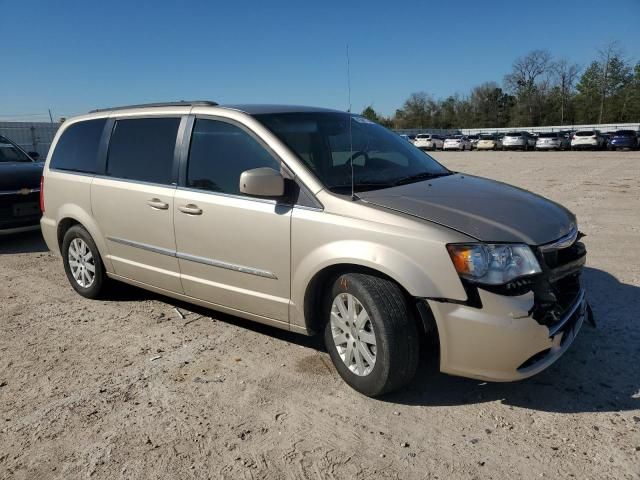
x=95, y=289
x=384, y=377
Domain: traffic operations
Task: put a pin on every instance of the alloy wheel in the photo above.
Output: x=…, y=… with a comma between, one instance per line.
x=81, y=263
x=353, y=334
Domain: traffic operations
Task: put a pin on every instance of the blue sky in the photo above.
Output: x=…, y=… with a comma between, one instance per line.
x=72, y=56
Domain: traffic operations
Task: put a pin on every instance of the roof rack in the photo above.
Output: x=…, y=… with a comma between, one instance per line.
x=181, y=103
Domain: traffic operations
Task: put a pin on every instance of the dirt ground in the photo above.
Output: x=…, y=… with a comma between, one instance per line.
x=125, y=388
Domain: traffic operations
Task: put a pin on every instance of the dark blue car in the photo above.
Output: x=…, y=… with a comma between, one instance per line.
x=623, y=139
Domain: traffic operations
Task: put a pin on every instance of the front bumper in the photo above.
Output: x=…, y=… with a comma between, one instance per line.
x=502, y=341
x=19, y=212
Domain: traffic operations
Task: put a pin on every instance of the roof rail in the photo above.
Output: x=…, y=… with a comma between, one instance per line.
x=181, y=103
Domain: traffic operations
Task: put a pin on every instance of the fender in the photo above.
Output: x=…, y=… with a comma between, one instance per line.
x=418, y=279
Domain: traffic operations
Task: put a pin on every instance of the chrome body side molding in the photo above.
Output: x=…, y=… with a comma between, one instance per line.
x=193, y=258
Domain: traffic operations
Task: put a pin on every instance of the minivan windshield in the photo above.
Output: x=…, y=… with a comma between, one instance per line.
x=10, y=153
x=329, y=142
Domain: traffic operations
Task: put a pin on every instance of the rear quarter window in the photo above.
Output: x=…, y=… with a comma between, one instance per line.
x=77, y=148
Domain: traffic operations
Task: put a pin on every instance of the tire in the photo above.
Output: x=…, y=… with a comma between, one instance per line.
x=391, y=324
x=77, y=240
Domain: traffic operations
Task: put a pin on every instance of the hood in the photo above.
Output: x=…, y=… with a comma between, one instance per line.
x=17, y=175
x=487, y=210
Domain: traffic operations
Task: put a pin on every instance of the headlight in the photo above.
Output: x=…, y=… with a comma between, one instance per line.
x=493, y=264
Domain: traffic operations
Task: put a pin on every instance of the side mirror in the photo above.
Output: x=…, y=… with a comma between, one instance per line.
x=262, y=182
x=34, y=155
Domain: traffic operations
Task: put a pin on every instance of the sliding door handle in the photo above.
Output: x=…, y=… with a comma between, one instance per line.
x=190, y=209
x=157, y=204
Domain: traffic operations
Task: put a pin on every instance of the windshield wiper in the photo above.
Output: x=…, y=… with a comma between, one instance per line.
x=363, y=185
x=420, y=176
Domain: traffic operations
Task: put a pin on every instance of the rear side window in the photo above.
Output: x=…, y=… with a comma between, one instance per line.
x=219, y=153
x=77, y=148
x=143, y=149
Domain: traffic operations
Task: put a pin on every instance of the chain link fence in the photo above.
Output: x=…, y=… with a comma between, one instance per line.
x=31, y=136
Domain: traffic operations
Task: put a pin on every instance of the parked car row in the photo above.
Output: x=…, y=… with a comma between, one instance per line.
x=522, y=140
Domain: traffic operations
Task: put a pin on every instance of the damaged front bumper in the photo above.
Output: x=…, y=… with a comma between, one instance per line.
x=515, y=331
x=502, y=341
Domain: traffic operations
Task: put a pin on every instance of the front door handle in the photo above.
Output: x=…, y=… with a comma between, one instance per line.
x=157, y=204
x=190, y=209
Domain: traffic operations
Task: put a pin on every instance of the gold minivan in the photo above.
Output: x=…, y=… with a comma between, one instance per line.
x=316, y=220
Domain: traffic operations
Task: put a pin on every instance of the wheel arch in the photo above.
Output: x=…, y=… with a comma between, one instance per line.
x=70, y=215
x=319, y=284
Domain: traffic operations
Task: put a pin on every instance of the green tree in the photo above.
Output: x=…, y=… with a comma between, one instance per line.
x=604, y=90
x=371, y=114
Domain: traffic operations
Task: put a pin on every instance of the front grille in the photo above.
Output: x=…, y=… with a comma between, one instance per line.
x=19, y=210
x=558, y=288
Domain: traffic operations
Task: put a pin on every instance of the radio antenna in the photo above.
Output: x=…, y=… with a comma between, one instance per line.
x=353, y=193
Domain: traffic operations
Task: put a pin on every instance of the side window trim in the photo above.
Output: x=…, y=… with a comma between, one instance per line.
x=101, y=162
x=183, y=154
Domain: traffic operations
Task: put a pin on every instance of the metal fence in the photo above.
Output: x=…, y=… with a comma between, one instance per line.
x=31, y=136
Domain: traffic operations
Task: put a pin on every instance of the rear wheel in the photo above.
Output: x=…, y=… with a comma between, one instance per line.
x=370, y=333
x=82, y=262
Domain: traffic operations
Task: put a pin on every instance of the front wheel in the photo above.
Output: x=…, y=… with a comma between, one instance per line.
x=82, y=262
x=370, y=333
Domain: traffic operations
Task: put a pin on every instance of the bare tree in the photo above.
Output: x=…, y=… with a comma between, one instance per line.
x=566, y=74
x=528, y=74
x=528, y=69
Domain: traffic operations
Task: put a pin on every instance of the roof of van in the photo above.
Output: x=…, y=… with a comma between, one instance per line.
x=257, y=109
x=251, y=109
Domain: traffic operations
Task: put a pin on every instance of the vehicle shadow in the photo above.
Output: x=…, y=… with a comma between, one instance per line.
x=599, y=372
x=27, y=242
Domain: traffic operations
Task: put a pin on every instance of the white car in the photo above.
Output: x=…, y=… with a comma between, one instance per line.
x=426, y=141
x=457, y=142
x=587, y=139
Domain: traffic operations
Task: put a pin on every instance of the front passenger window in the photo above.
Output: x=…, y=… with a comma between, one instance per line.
x=219, y=153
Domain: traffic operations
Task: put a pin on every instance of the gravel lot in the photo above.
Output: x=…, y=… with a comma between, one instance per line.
x=125, y=388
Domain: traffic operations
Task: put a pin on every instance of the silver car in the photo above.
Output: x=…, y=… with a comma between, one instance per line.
x=315, y=220
x=517, y=141
x=552, y=141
